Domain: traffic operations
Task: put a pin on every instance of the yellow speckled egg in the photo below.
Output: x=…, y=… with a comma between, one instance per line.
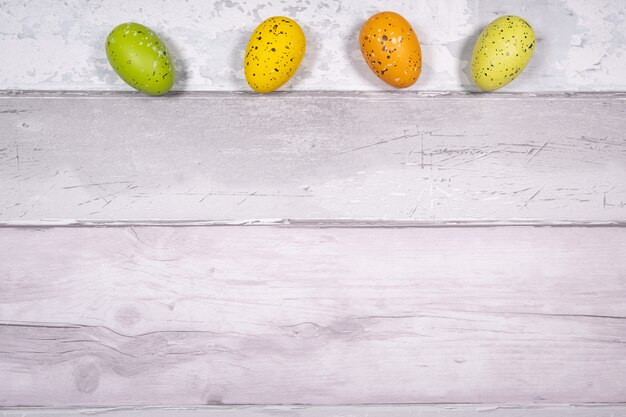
x=501, y=52
x=140, y=58
x=391, y=49
x=273, y=54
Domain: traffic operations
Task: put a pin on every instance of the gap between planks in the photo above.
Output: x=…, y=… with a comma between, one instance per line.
x=193, y=95
x=400, y=410
x=315, y=223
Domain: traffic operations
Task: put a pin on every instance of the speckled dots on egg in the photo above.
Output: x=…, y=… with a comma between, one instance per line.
x=391, y=49
x=502, y=51
x=140, y=58
x=274, y=53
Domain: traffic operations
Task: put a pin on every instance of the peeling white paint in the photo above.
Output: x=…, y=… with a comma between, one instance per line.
x=57, y=46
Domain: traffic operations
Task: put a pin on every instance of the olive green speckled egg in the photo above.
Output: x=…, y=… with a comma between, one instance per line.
x=140, y=58
x=501, y=52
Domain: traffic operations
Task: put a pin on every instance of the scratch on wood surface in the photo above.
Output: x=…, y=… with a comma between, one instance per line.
x=95, y=185
x=246, y=198
x=382, y=142
x=536, y=193
x=244, y=193
x=534, y=155
x=12, y=111
x=417, y=201
x=19, y=171
x=422, y=150
x=603, y=140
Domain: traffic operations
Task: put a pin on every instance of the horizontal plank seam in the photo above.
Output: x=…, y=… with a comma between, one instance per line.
x=448, y=405
x=315, y=223
x=311, y=94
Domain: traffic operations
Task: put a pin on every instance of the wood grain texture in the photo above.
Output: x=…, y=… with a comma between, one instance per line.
x=222, y=157
x=60, y=46
x=441, y=410
x=305, y=315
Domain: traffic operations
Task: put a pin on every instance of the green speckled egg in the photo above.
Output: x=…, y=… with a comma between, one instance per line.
x=140, y=58
x=501, y=52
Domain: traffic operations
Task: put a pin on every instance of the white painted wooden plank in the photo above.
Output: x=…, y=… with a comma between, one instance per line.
x=397, y=157
x=60, y=46
x=443, y=410
x=266, y=315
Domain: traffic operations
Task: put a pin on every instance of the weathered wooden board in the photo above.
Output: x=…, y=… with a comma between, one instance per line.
x=266, y=315
x=441, y=410
x=218, y=157
x=60, y=45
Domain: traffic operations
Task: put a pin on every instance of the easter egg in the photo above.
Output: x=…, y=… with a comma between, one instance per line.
x=140, y=58
x=501, y=52
x=391, y=49
x=273, y=54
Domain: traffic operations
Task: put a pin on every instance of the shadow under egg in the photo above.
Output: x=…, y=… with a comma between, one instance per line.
x=465, y=62
x=306, y=68
x=237, y=57
x=352, y=49
x=181, y=74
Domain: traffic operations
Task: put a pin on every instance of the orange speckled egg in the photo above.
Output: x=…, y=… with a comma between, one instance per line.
x=391, y=49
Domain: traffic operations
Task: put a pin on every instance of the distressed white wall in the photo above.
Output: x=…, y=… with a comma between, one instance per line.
x=55, y=45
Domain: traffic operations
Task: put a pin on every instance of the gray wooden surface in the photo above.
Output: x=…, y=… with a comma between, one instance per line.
x=405, y=248
x=386, y=262
x=221, y=157
x=307, y=315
